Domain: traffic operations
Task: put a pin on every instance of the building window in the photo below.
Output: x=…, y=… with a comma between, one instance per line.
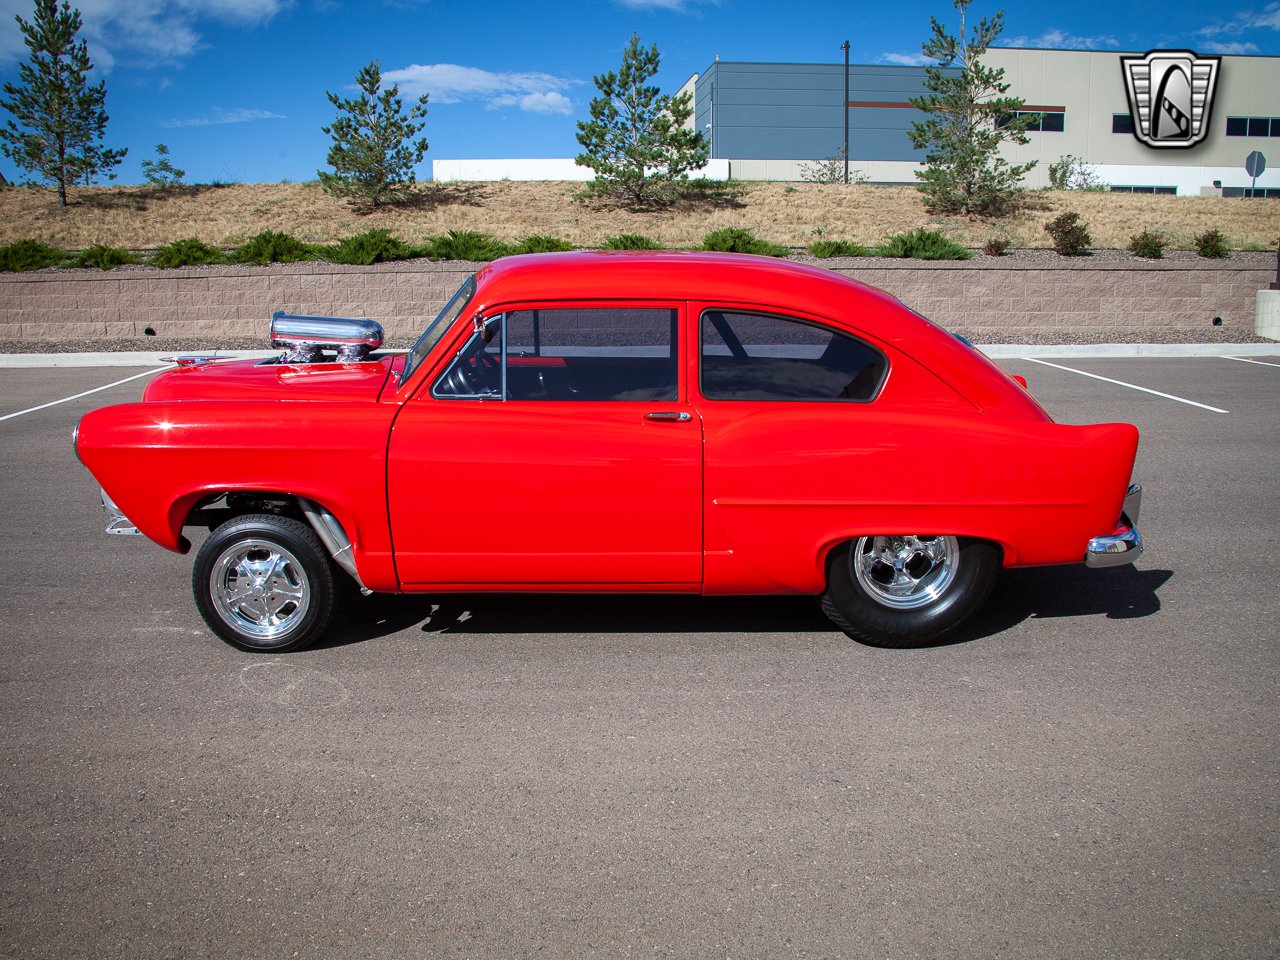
x=1253, y=126
x=1268, y=193
x=1048, y=122
x=1125, y=188
x=1122, y=123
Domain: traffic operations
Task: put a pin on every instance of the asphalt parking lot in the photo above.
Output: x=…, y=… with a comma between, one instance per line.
x=1089, y=771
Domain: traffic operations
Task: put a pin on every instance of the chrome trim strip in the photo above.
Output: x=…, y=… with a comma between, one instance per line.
x=334, y=538
x=117, y=523
x=1133, y=503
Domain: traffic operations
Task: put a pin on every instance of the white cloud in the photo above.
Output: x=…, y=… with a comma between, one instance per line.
x=903, y=59
x=220, y=116
x=148, y=32
x=550, y=102
x=1268, y=19
x=451, y=83
x=677, y=6
x=1061, y=40
x=1234, y=47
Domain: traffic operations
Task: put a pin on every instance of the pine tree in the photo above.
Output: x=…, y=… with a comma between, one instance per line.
x=636, y=140
x=374, y=150
x=969, y=118
x=161, y=172
x=60, y=117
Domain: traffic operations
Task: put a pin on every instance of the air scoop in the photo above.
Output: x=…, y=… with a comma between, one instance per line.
x=307, y=338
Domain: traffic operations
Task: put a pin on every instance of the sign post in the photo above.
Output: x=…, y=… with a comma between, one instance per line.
x=1254, y=164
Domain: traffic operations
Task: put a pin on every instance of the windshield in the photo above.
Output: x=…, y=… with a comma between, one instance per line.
x=443, y=321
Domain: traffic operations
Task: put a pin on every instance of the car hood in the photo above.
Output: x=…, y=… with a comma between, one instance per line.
x=270, y=380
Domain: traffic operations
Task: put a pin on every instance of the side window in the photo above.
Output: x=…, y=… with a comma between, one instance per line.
x=476, y=372
x=751, y=356
x=591, y=353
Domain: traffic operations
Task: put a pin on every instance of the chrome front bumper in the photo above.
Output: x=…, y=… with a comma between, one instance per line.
x=117, y=522
x=1124, y=547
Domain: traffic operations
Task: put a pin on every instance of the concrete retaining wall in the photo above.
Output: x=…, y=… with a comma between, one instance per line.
x=989, y=299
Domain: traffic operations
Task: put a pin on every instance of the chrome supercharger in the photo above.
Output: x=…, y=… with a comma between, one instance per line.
x=307, y=339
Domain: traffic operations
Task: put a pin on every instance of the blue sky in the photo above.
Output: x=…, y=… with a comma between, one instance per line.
x=236, y=88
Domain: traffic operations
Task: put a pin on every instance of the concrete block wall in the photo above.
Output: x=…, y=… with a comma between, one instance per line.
x=991, y=300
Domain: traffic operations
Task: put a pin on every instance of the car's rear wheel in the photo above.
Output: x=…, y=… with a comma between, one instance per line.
x=264, y=583
x=908, y=590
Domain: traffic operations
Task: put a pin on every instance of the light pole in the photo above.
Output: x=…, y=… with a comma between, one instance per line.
x=844, y=108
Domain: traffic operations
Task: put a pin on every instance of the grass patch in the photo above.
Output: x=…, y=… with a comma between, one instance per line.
x=370, y=247
x=740, y=240
x=629, y=241
x=103, y=257
x=540, y=243
x=826, y=249
x=27, y=255
x=271, y=246
x=922, y=244
x=188, y=252
x=466, y=245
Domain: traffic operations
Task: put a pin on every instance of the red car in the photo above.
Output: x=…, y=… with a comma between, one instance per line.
x=615, y=422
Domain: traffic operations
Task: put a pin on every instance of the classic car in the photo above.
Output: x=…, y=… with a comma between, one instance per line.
x=615, y=422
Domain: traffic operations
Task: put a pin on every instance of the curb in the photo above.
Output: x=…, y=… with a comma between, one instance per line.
x=996, y=351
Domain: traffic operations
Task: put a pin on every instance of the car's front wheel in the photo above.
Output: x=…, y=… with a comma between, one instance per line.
x=264, y=583
x=908, y=590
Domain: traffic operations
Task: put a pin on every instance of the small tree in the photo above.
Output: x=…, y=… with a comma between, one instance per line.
x=636, y=140
x=160, y=172
x=60, y=118
x=969, y=117
x=374, y=147
x=830, y=170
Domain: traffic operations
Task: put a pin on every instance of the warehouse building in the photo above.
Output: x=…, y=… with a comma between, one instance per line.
x=771, y=121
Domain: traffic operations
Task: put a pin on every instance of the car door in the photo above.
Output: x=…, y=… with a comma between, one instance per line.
x=556, y=449
x=790, y=428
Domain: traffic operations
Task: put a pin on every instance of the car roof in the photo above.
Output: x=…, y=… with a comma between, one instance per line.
x=667, y=275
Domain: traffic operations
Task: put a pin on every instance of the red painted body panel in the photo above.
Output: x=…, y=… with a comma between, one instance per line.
x=743, y=497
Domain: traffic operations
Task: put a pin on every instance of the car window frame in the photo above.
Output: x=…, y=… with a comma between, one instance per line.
x=490, y=312
x=701, y=309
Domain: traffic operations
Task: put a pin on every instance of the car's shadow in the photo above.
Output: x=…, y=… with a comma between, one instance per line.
x=1019, y=595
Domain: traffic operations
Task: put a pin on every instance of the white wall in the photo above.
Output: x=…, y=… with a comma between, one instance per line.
x=541, y=169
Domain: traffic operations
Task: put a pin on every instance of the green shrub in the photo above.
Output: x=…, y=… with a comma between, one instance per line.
x=1211, y=244
x=104, y=257
x=738, y=240
x=189, y=252
x=372, y=246
x=467, y=245
x=542, y=244
x=630, y=241
x=1147, y=244
x=25, y=255
x=271, y=246
x=996, y=247
x=922, y=244
x=1070, y=236
x=837, y=248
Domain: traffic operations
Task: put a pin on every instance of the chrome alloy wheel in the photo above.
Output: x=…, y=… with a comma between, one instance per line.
x=260, y=589
x=906, y=572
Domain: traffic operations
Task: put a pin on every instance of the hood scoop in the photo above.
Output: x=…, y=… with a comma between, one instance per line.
x=307, y=339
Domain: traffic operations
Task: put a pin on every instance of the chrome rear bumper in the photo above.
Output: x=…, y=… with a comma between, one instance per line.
x=1124, y=547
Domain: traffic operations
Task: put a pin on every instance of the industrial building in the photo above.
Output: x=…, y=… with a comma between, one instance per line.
x=769, y=120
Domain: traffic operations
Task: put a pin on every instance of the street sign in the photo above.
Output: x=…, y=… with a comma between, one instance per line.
x=1254, y=164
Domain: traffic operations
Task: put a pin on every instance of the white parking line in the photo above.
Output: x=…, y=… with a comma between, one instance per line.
x=1258, y=362
x=1131, y=386
x=54, y=403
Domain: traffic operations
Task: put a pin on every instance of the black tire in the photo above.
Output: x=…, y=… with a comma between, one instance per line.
x=888, y=605
x=264, y=583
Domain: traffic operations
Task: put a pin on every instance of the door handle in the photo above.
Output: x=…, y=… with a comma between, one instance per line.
x=669, y=416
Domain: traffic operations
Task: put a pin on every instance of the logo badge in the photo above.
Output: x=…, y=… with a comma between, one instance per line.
x=1170, y=96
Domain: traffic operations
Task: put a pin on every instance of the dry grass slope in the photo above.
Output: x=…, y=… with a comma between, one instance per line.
x=790, y=214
